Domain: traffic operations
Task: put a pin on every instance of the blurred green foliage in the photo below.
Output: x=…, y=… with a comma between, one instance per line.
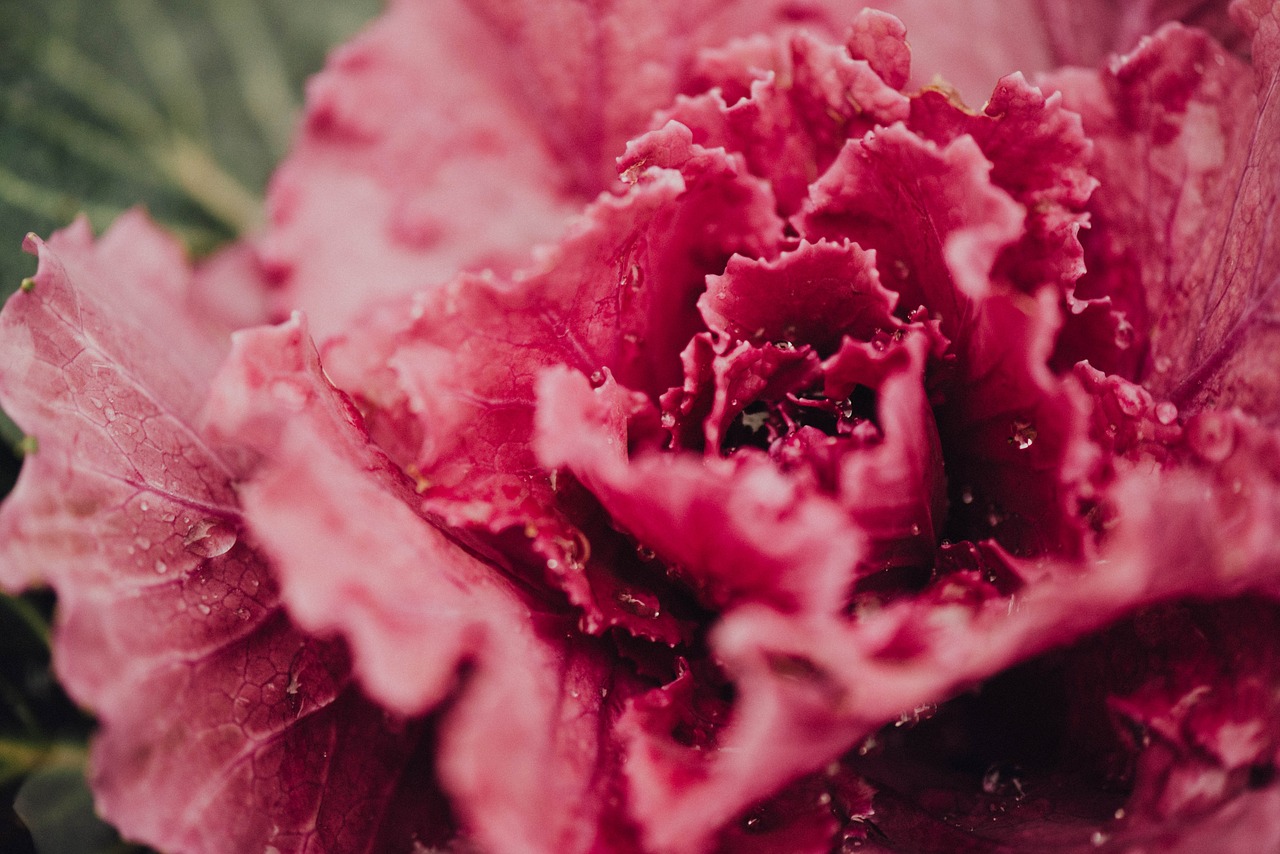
x=183, y=106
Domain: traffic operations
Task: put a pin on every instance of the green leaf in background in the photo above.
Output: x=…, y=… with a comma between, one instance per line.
x=185, y=107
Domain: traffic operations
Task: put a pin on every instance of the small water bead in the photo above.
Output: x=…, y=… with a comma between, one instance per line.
x=1212, y=436
x=1003, y=780
x=209, y=538
x=920, y=713
x=1024, y=435
x=1130, y=401
x=596, y=379
x=966, y=496
x=1166, y=412
x=638, y=603
x=1162, y=364
x=1125, y=334
x=161, y=567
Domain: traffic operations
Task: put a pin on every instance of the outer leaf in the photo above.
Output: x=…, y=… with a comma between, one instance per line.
x=223, y=727
x=458, y=133
x=1187, y=141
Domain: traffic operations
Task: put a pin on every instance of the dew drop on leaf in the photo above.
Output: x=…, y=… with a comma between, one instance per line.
x=209, y=538
x=639, y=603
x=1024, y=435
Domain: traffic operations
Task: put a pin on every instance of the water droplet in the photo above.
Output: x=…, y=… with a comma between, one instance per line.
x=209, y=538
x=1024, y=435
x=645, y=553
x=204, y=609
x=668, y=420
x=784, y=346
x=1124, y=334
x=1099, y=838
x=552, y=563
x=144, y=506
x=915, y=530
x=1120, y=814
x=634, y=277
x=853, y=839
x=920, y=713
x=1212, y=436
x=1129, y=399
x=1166, y=412
x=142, y=543
x=638, y=603
x=1002, y=780
x=596, y=379
x=824, y=799
x=966, y=496
x=161, y=567
x=1163, y=364
x=242, y=613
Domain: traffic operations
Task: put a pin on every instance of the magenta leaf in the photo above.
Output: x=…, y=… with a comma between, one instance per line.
x=223, y=726
x=857, y=469
x=1185, y=144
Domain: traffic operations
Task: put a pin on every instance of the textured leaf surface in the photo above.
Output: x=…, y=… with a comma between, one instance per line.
x=171, y=629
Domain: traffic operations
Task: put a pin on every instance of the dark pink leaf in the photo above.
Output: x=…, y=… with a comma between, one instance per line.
x=1187, y=138
x=223, y=727
x=1087, y=33
x=460, y=133
x=814, y=294
x=737, y=530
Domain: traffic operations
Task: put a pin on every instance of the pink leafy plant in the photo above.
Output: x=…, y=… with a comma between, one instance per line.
x=844, y=468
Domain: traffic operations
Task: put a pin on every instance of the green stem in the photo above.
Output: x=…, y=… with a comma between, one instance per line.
x=19, y=757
